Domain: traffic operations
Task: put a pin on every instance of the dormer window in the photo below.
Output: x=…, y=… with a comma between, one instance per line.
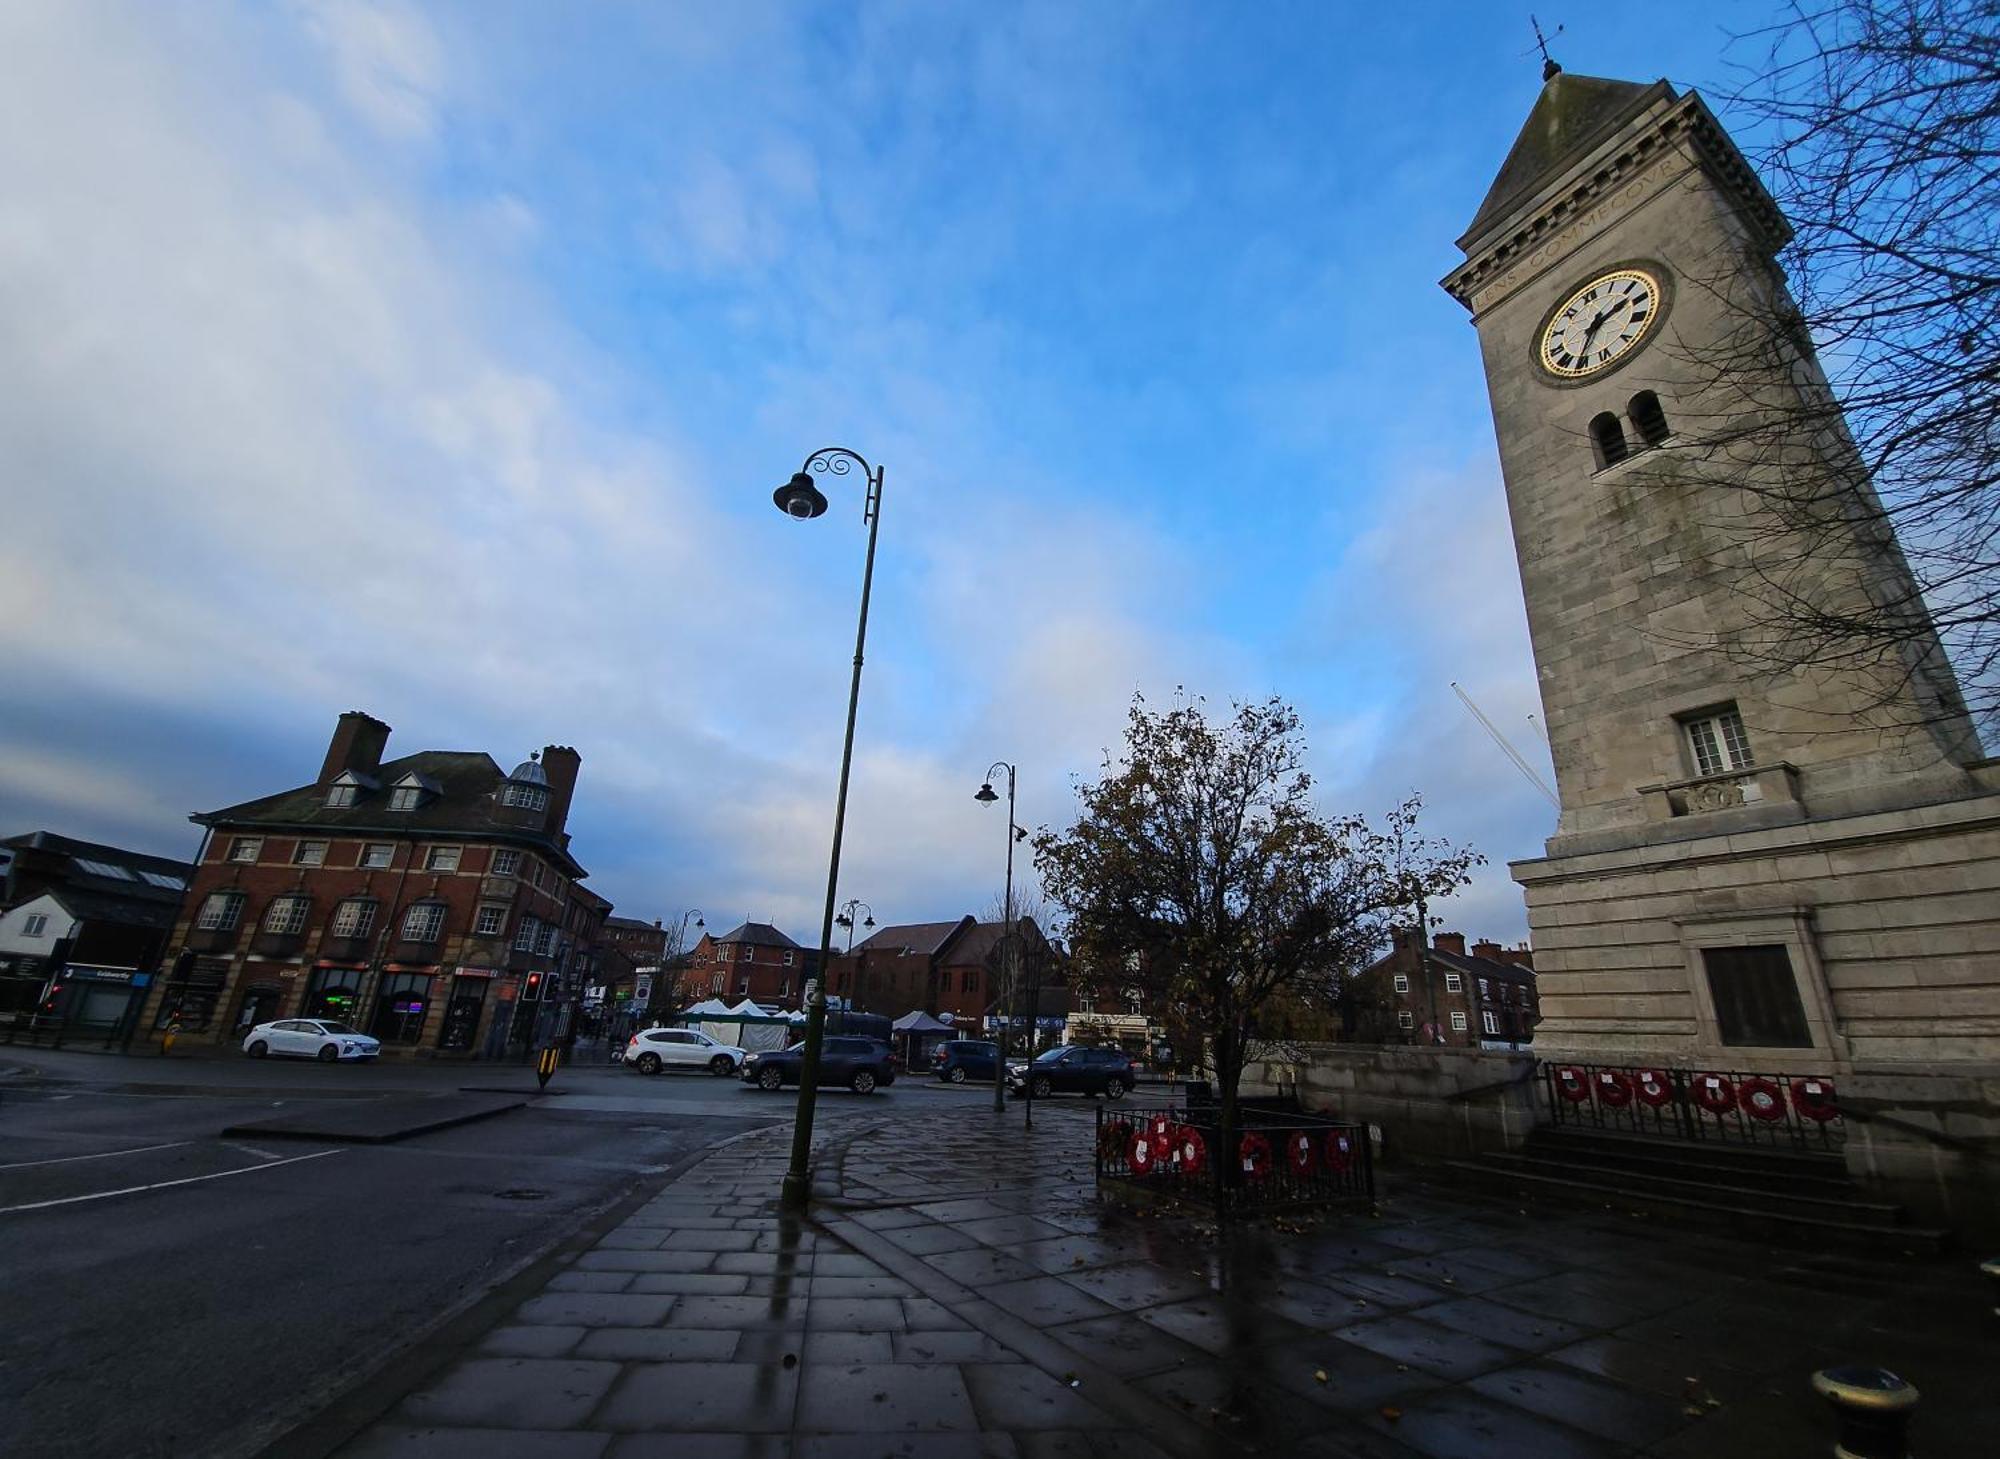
x=405, y=797
x=525, y=797
x=342, y=797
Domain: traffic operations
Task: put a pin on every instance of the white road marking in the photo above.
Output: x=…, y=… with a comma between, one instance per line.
x=132, y=1190
x=253, y=1150
x=100, y=1155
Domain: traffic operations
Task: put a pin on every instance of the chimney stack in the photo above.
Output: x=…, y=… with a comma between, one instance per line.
x=560, y=763
x=1487, y=948
x=1451, y=942
x=357, y=745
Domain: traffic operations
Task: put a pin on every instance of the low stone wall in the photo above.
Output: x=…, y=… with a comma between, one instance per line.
x=1926, y=1139
x=1428, y=1101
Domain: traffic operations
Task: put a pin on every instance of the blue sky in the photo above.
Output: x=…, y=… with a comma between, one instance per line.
x=439, y=361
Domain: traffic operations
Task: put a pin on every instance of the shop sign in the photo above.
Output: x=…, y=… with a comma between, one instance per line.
x=89, y=973
x=479, y=972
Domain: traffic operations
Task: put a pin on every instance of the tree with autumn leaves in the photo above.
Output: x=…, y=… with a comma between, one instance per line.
x=1200, y=863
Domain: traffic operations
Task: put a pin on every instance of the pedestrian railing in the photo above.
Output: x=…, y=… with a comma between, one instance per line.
x=1277, y=1161
x=1731, y=1106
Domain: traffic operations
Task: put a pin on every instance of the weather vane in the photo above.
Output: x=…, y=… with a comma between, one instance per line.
x=1550, y=68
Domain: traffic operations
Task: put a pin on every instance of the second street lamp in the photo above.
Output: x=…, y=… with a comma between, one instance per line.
x=848, y=911
x=986, y=796
x=801, y=497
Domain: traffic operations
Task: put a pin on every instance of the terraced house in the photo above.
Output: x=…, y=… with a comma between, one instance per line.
x=430, y=900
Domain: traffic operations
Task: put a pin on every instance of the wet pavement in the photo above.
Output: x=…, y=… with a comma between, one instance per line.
x=959, y=1290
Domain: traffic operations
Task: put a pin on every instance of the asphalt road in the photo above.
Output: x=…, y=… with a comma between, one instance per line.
x=170, y=1292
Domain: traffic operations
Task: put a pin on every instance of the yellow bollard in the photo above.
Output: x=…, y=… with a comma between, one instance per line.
x=167, y=1039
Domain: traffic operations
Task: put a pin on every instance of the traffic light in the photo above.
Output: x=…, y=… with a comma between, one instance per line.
x=53, y=999
x=531, y=991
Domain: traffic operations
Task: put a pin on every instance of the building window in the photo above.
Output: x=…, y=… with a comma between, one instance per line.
x=1405, y=1018
x=788, y=959
x=1458, y=1021
x=545, y=939
x=286, y=916
x=219, y=913
x=161, y=879
x=528, y=797
x=400, y=1006
x=104, y=869
x=354, y=917
x=1756, y=997
x=423, y=922
x=442, y=858
x=524, y=935
x=1718, y=742
x=405, y=797
x=309, y=853
x=743, y=988
x=332, y=993
x=784, y=987
x=1649, y=418
x=1490, y=1021
x=748, y=950
x=1402, y=982
x=1453, y=983
x=377, y=854
x=35, y=925
x=506, y=863
x=971, y=982
x=1607, y=440
x=246, y=848
x=342, y=797
x=491, y=922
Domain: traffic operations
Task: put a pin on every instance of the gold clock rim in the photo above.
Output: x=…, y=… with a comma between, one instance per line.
x=1624, y=271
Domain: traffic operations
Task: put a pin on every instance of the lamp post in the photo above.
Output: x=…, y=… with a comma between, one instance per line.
x=986, y=796
x=846, y=919
x=801, y=497
x=680, y=947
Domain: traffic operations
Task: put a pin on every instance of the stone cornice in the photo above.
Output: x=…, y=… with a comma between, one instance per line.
x=1615, y=179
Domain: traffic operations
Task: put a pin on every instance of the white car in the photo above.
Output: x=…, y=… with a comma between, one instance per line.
x=653, y=1049
x=310, y=1038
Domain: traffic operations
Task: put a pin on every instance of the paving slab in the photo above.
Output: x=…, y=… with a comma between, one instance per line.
x=378, y=1121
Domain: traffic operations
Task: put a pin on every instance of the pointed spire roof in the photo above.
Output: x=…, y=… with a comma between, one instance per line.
x=1569, y=115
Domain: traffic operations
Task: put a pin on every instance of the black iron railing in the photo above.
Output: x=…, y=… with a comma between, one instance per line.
x=1278, y=1161
x=1728, y=1105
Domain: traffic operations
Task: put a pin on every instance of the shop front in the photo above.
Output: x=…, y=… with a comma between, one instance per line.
x=464, y=1004
x=401, y=1005
x=334, y=992
x=192, y=994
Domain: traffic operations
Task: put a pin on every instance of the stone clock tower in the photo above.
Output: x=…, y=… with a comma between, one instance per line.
x=1761, y=864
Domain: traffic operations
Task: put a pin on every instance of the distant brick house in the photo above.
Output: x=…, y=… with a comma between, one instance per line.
x=430, y=900
x=1444, y=994
x=752, y=960
x=938, y=968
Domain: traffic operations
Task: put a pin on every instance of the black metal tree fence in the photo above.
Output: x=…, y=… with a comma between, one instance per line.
x=1731, y=1106
x=1277, y=1161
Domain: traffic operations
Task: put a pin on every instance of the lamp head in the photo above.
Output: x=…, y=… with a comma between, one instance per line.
x=799, y=497
x=699, y=923
x=843, y=920
x=985, y=794
x=869, y=923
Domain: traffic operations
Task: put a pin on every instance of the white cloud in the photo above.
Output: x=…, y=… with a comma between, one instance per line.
x=387, y=60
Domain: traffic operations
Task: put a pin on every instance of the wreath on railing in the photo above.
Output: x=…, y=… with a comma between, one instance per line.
x=1190, y=1151
x=1762, y=1100
x=1339, y=1152
x=1302, y=1154
x=1652, y=1087
x=1112, y=1139
x=1144, y=1156
x=1255, y=1152
x=1813, y=1098
x=1614, y=1090
x=1714, y=1093
x=1570, y=1084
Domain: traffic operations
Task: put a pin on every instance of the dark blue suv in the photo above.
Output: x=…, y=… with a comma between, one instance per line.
x=958, y=1060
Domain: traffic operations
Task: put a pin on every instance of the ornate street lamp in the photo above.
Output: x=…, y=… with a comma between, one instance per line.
x=986, y=796
x=846, y=919
x=801, y=497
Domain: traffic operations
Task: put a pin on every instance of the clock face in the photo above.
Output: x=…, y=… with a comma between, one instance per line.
x=1600, y=323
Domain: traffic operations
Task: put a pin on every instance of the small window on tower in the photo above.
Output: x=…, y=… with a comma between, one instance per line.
x=1607, y=440
x=1649, y=418
x=1717, y=742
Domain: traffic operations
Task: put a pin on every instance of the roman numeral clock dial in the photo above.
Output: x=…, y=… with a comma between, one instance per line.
x=1600, y=323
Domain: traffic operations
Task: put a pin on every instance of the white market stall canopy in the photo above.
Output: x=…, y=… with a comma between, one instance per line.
x=747, y=1025
x=918, y=1021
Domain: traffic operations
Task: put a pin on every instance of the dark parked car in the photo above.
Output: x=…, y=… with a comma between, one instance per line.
x=863, y=1065
x=1075, y=1070
x=958, y=1060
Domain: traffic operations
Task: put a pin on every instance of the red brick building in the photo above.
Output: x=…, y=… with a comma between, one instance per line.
x=938, y=967
x=754, y=960
x=430, y=900
x=1444, y=994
